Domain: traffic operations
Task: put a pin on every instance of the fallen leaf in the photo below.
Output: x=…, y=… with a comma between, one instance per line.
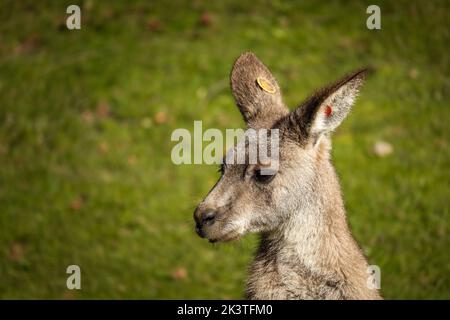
x=382, y=148
x=179, y=274
x=206, y=19
x=77, y=203
x=29, y=44
x=16, y=252
x=68, y=295
x=154, y=25
x=160, y=117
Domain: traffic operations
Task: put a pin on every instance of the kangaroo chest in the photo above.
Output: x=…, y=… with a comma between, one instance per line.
x=271, y=278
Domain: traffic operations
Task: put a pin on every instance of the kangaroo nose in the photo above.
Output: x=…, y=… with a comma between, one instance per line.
x=208, y=217
x=204, y=218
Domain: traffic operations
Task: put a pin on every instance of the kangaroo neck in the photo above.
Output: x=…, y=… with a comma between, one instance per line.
x=315, y=248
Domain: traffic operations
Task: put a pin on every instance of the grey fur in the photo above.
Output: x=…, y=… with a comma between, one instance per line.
x=306, y=249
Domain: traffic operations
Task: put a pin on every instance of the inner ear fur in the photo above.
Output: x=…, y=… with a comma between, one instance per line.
x=256, y=92
x=308, y=121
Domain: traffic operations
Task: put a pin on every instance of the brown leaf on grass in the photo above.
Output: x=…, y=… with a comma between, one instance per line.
x=154, y=25
x=206, y=19
x=77, y=203
x=30, y=44
x=108, y=13
x=179, y=274
x=382, y=148
x=68, y=295
x=16, y=252
x=102, y=111
x=160, y=117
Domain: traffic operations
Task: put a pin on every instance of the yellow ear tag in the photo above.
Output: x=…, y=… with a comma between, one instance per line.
x=265, y=85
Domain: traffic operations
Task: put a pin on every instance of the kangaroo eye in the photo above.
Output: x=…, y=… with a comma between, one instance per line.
x=264, y=176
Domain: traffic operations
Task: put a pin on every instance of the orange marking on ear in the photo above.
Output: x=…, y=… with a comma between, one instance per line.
x=328, y=111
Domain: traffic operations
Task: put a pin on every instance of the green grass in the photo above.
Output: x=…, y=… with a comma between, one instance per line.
x=79, y=185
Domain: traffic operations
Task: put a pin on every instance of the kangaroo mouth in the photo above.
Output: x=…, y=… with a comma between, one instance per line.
x=229, y=236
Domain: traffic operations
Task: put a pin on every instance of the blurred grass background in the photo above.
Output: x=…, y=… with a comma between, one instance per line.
x=86, y=118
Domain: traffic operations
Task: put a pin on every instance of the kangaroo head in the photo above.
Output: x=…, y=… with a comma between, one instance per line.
x=246, y=200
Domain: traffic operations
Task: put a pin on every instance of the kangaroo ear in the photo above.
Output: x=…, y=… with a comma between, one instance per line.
x=324, y=111
x=256, y=92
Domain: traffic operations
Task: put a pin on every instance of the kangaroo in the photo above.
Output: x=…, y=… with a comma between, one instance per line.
x=306, y=249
